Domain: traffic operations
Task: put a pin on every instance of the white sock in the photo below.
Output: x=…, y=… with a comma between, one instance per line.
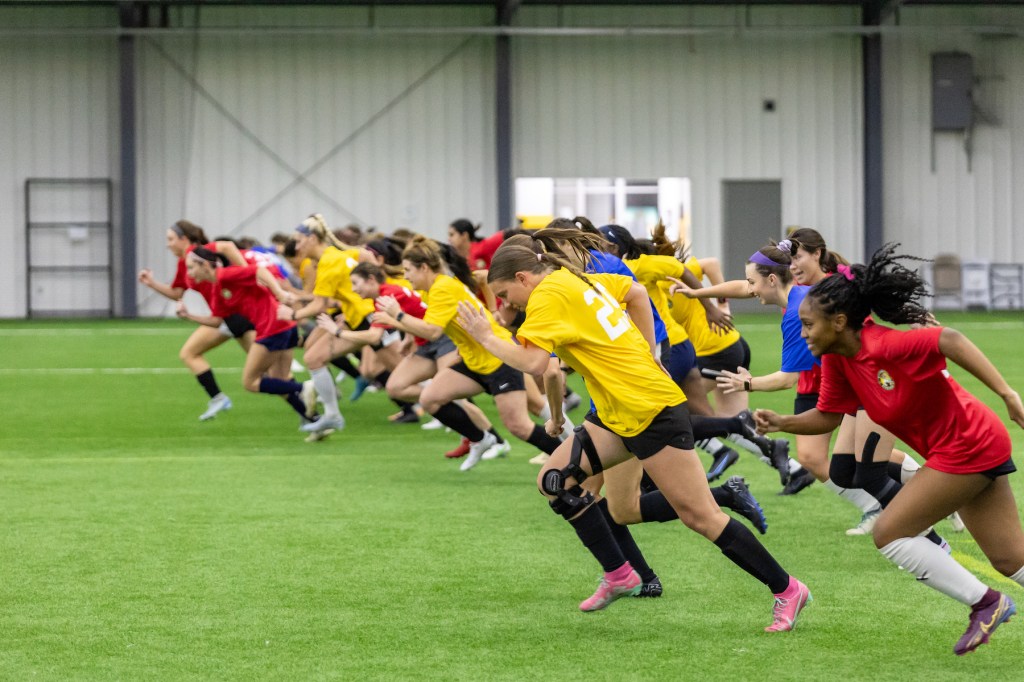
x=1018, y=577
x=794, y=466
x=746, y=444
x=545, y=412
x=324, y=385
x=567, y=427
x=932, y=566
x=855, y=496
x=908, y=469
x=712, y=446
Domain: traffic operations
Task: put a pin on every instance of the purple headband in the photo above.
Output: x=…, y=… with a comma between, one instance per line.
x=761, y=259
x=302, y=229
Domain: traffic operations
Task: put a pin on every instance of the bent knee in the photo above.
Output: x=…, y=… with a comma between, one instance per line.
x=702, y=522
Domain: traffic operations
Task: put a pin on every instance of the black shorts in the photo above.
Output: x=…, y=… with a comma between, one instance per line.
x=289, y=338
x=671, y=427
x=505, y=379
x=432, y=350
x=238, y=325
x=805, y=402
x=1004, y=469
x=727, y=359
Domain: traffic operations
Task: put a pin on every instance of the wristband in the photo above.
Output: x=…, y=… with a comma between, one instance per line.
x=746, y=386
x=399, y=316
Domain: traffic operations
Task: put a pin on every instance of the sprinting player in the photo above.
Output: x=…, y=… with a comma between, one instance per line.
x=182, y=237
x=253, y=292
x=477, y=372
x=901, y=380
x=642, y=413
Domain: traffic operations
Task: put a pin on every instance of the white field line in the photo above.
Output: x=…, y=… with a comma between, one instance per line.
x=28, y=371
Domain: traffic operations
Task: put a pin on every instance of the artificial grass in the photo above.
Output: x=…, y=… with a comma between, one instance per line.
x=140, y=543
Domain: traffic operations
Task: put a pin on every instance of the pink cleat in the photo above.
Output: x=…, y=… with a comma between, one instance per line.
x=611, y=589
x=788, y=606
x=988, y=614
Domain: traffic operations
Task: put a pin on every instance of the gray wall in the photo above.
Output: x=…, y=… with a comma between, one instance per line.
x=246, y=133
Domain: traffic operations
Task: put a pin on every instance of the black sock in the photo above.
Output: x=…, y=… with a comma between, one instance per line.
x=896, y=472
x=627, y=544
x=723, y=498
x=596, y=536
x=654, y=507
x=207, y=381
x=456, y=419
x=714, y=427
x=382, y=380
x=874, y=479
x=345, y=365
x=842, y=470
x=744, y=550
x=542, y=441
x=497, y=435
x=296, y=402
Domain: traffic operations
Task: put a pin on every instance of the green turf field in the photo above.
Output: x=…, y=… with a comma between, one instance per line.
x=141, y=544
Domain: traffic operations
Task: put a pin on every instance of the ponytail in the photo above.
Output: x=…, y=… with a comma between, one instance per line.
x=190, y=231
x=542, y=251
x=316, y=225
x=811, y=241
x=884, y=287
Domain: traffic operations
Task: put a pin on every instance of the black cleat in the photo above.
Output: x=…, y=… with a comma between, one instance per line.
x=800, y=480
x=775, y=451
x=780, y=459
x=724, y=459
x=745, y=504
x=651, y=589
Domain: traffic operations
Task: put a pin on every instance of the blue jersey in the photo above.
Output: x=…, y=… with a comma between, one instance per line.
x=606, y=263
x=795, y=355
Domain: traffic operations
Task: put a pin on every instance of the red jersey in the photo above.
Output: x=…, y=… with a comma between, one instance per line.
x=237, y=292
x=409, y=301
x=900, y=378
x=809, y=381
x=481, y=252
x=183, y=281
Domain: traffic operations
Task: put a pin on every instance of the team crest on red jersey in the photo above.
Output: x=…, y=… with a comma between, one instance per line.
x=225, y=293
x=885, y=381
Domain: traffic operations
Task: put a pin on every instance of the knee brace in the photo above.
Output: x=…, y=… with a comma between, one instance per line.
x=568, y=503
x=842, y=469
x=874, y=477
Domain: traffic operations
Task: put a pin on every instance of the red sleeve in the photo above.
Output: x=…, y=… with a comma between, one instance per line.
x=836, y=394
x=483, y=251
x=235, y=274
x=408, y=301
x=180, y=281
x=903, y=345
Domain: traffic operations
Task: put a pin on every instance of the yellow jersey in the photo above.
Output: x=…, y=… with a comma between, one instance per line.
x=445, y=294
x=333, y=280
x=690, y=314
x=400, y=282
x=651, y=271
x=586, y=327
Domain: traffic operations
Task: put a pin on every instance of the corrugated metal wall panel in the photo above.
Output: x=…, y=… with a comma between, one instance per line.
x=60, y=97
x=974, y=211
x=583, y=109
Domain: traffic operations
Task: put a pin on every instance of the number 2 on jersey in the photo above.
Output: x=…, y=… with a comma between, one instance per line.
x=606, y=307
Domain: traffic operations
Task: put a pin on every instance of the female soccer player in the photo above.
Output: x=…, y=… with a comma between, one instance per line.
x=641, y=412
x=477, y=372
x=253, y=292
x=477, y=251
x=182, y=237
x=901, y=380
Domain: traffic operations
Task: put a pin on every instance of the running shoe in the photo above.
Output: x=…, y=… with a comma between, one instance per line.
x=986, y=616
x=478, y=450
x=571, y=402
x=650, y=589
x=780, y=460
x=318, y=436
x=607, y=592
x=323, y=423
x=723, y=459
x=745, y=504
x=867, y=523
x=361, y=385
x=308, y=396
x=406, y=416
x=500, y=450
x=786, y=610
x=218, y=403
x=461, y=450
x=800, y=480
x=432, y=425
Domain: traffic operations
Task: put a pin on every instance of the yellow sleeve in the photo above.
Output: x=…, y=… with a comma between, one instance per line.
x=693, y=265
x=617, y=285
x=547, y=325
x=329, y=275
x=443, y=307
x=666, y=266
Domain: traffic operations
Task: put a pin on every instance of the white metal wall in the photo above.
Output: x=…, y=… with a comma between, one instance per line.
x=58, y=112
x=644, y=107
x=977, y=212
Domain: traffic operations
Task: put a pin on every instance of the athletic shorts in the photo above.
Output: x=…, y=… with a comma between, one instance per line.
x=432, y=350
x=289, y=338
x=727, y=359
x=1004, y=469
x=236, y=325
x=670, y=428
x=681, y=359
x=805, y=402
x=505, y=379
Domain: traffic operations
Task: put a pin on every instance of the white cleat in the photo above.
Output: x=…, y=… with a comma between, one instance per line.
x=218, y=403
x=297, y=367
x=956, y=522
x=308, y=396
x=867, y=523
x=432, y=425
x=540, y=458
x=478, y=450
x=318, y=436
x=324, y=423
x=500, y=450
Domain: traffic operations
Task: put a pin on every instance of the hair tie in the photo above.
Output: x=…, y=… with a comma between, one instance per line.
x=845, y=271
x=540, y=256
x=786, y=245
x=176, y=229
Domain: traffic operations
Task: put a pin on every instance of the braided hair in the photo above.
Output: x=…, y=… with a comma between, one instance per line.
x=884, y=287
